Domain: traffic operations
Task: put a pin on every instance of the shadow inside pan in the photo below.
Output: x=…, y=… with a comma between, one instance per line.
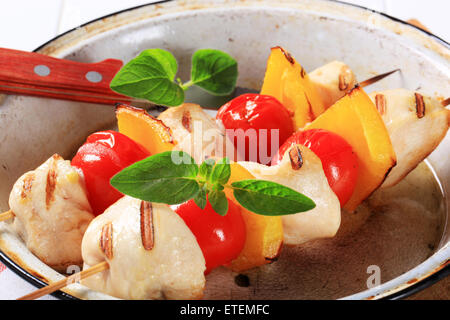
x=391, y=233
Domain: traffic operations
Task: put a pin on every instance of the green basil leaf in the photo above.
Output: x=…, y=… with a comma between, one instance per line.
x=200, y=198
x=160, y=178
x=150, y=76
x=270, y=198
x=219, y=202
x=206, y=168
x=221, y=172
x=214, y=70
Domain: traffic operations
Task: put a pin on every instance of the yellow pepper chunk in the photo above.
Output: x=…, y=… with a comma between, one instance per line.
x=144, y=129
x=287, y=81
x=356, y=119
x=264, y=233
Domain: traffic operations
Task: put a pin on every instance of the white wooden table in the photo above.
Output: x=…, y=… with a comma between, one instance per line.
x=26, y=24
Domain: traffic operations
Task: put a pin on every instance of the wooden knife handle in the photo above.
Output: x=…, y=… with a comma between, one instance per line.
x=37, y=74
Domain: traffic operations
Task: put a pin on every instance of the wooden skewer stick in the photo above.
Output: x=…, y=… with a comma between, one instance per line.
x=6, y=215
x=446, y=102
x=376, y=78
x=64, y=282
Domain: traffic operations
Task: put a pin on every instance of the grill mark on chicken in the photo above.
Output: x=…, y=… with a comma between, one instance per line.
x=295, y=155
x=445, y=102
x=302, y=72
x=186, y=121
x=51, y=182
x=420, y=105
x=343, y=79
x=380, y=102
x=147, y=229
x=106, y=240
x=27, y=185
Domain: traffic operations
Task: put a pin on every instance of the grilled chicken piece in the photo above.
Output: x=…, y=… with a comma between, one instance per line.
x=52, y=212
x=197, y=133
x=302, y=171
x=333, y=80
x=151, y=253
x=416, y=124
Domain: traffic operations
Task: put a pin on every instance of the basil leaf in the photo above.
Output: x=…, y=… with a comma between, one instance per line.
x=214, y=70
x=150, y=76
x=270, y=198
x=206, y=168
x=200, y=198
x=218, y=201
x=221, y=172
x=159, y=178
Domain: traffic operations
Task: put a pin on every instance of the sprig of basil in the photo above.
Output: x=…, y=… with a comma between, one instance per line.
x=270, y=198
x=159, y=179
x=162, y=178
x=151, y=76
x=221, y=172
x=219, y=201
x=215, y=71
x=200, y=199
x=206, y=168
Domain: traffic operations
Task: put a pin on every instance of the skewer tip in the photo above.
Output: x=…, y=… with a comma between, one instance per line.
x=376, y=78
x=6, y=215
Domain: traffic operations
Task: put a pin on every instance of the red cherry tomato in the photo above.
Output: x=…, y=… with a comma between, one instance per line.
x=339, y=162
x=221, y=238
x=257, y=112
x=103, y=155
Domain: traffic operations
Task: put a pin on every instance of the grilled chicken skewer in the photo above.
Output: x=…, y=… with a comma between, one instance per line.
x=323, y=222
x=416, y=123
x=51, y=212
x=299, y=164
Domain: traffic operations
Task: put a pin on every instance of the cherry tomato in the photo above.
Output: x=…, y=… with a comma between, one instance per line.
x=103, y=155
x=257, y=112
x=221, y=238
x=339, y=162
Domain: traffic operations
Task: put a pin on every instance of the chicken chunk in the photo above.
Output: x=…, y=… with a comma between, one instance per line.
x=151, y=253
x=197, y=133
x=52, y=212
x=302, y=171
x=333, y=81
x=416, y=125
